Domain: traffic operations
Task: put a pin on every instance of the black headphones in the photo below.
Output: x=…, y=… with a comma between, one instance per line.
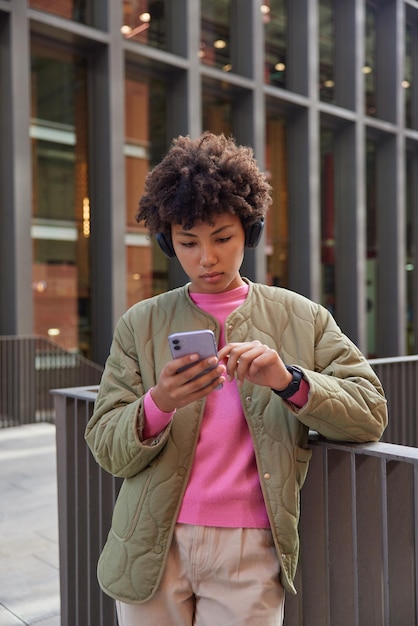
x=252, y=239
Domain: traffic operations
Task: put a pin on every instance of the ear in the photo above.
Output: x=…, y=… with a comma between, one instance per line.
x=166, y=244
x=253, y=234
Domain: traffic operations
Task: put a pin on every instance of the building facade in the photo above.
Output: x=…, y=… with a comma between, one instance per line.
x=92, y=94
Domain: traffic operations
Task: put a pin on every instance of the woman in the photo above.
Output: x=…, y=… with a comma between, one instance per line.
x=204, y=530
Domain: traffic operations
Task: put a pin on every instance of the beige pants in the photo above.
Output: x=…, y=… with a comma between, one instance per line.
x=214, y=577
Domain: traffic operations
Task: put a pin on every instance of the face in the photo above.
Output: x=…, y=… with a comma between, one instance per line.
x=211, y=254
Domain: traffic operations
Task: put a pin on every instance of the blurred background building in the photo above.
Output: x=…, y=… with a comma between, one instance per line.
x=93, y=91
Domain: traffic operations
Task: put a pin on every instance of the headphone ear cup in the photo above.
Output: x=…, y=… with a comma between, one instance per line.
x=166, y=244
x=253, y=234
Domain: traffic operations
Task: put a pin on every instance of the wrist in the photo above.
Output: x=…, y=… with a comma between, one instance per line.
x=295, y=379
x=159, y=401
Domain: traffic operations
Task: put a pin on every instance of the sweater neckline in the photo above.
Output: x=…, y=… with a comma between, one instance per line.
x=239, y=293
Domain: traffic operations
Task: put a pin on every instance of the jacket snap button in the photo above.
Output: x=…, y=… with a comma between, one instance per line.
x=181, y=471
x=266, y=475
x=158, y=549
x=248, y=399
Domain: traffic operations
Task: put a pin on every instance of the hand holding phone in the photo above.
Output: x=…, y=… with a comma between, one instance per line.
x=201, y=342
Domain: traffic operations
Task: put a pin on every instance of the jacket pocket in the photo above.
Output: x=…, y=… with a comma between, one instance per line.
x=129, y=504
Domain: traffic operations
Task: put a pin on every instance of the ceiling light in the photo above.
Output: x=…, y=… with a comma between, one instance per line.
x=406, y=84
x=280, y=67
x=145, y=17
x=265, y=9
x=126, y=30
x=367, y=69
x=40, y=286
x=219, y=44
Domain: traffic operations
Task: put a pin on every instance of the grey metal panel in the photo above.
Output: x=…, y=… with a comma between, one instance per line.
x=401, y=513
x=258, y=120
x=350, y=227
x=304, y=205
x=194, y=87
x=303, y=153
x=185, y=106
x=314, y=554
x=370, y=514
x=16, y=308
x=349, y=179
x=243, y=20
x=302, y=21
x=391, y=242
x=107, y=183
x=387, y=61
x=347, y=49
x=414, y=85
x=342, y=539
x=414, y=205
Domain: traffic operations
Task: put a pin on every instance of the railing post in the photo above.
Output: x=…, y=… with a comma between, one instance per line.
x=86, y=495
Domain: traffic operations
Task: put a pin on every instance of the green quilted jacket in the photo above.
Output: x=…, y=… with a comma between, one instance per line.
x=345, y=403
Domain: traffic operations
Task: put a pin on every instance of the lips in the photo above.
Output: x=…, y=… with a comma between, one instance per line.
x=212, y=278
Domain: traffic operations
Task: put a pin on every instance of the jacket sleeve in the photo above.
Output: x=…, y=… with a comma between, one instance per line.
x=113, y=431
x=346, y=401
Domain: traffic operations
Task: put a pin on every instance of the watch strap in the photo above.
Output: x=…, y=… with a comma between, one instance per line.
x=294, y=384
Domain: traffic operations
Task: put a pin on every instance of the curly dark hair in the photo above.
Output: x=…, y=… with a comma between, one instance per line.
x=199, y=178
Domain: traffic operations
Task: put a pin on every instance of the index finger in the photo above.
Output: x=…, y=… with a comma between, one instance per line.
x=226, y=350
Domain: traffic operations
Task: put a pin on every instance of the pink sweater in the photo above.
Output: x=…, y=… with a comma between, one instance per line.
x=224, y=488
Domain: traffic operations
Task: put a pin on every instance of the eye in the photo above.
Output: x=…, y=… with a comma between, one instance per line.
x=188, y=244
x=224, y=239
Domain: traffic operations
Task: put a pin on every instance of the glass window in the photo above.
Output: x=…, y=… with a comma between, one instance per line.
x=145, y=144
x=328, y=221
x=61, y=209
x=215, y=44
x=326, y=51
x=149, y=22
x=217, y=108
x=277, y=227
x=370, y=65
x=372, y=248
x=77, y=10
x=275, y=42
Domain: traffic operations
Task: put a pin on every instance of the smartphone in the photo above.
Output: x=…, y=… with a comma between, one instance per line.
x=201, y=342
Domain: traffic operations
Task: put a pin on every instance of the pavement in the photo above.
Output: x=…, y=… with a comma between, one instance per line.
x=29, y=564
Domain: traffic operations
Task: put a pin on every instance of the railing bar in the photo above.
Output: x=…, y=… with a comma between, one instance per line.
x=385, y=537
x=416, y=536
x=354, y=546
x=327, y=530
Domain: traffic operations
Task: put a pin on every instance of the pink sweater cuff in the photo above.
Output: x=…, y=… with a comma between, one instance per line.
x=155, y=419
x=301, y=396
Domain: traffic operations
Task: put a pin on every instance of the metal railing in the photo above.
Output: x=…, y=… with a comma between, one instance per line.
x=29, y=368
x=399, y=377
x=359, y=529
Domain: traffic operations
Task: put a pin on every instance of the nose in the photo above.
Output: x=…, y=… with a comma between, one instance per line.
x=207, y=256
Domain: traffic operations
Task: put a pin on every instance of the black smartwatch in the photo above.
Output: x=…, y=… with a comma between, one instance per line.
x=294, y=384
